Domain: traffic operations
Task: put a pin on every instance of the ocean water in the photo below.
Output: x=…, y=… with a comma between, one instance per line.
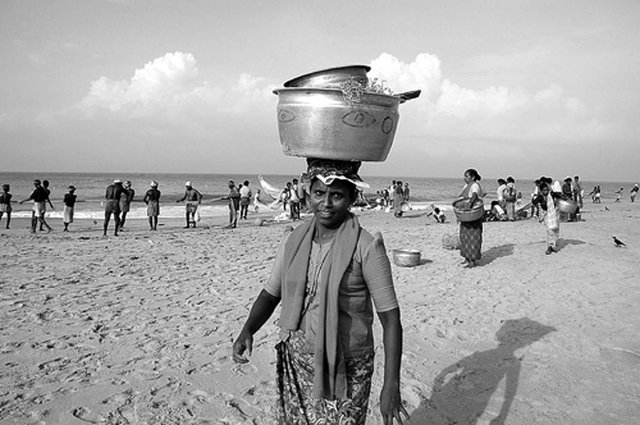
x=90, y=188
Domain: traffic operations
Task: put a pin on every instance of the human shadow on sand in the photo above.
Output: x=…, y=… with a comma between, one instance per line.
x=496, y=252
x=563, y=243
x=462, y=391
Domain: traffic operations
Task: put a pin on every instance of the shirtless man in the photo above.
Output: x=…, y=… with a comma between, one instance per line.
x=112, y=205
x=193, y=198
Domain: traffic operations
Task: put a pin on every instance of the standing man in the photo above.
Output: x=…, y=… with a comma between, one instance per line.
x=39, y=197
x=294, y=201
x=112, y=205
x=577, y=196
x=634, y=193
x=245, y=199
x=193, y=198
x=126, y=197
x=234, y=204
x=5, y=203
x=510, y=196
x=406, y=193
x=45, y=186
x=302, y=192
x=152, y=199
x=69, y=206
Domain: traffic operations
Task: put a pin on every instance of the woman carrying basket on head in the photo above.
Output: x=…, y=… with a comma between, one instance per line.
x=471, y=231
x=326, y=273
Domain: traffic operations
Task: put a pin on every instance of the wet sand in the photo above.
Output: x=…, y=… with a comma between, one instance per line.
x=138, y=329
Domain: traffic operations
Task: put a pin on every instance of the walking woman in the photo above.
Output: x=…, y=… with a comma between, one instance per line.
x=470, y=231
x=326, y=273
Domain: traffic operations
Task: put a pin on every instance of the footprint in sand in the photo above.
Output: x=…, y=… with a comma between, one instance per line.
x=87, y=415
x=42, y=398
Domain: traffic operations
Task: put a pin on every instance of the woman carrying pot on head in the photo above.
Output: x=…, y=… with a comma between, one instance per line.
x=470, y=231
x=326, y=273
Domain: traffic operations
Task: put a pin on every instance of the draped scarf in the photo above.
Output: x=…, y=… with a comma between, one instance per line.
x=551, y=219
x=329, y=378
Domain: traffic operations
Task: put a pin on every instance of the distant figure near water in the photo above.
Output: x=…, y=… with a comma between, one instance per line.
x=69, y=206
x=39, y=197
x=634, y=192
x=234, y=204
x=193, y=198
x=125, y=202
x=245, y=199
x=152, y=199
x=112, y=206
x=5, y=203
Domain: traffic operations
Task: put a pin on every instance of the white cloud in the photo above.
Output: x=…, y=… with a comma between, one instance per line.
x=423, y=73
x=448, y=111
x=169, y=88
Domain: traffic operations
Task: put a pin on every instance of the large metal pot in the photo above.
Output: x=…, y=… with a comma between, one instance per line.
x=567, y=206
x=331, y=78
x=321, y=123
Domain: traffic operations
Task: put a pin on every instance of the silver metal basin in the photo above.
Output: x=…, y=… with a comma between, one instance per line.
x=321, y=123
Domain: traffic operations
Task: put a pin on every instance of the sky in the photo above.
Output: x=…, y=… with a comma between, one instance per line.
x=509, y=87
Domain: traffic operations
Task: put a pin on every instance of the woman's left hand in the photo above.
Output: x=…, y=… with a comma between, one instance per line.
x=391, y=405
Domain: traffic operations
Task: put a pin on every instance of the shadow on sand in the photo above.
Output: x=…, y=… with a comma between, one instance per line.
x=563, y=243
x=462, y=391
x=495, y=253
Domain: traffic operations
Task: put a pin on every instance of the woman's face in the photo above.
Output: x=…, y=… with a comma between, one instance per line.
x=330, y=204
x=467, y=178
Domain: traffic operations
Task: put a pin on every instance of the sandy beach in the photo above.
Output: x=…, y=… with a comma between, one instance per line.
x=138, y=329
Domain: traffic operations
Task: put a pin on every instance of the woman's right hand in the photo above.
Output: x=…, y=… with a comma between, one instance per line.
x=243, y=343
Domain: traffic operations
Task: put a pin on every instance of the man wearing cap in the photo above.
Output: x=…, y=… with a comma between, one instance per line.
x=112, y=205
x=39, y=197
x=193, y=198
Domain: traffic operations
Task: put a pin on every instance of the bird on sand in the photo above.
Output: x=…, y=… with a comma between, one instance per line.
x=618, y=242
x=606, y=209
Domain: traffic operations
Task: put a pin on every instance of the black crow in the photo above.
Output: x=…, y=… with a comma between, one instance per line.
x=618, y=242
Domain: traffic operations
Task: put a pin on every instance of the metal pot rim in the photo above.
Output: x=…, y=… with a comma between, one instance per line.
x=329, y=91
x=295, y=82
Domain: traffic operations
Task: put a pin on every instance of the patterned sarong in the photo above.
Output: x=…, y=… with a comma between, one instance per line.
x=471, y=239
x=296, y=405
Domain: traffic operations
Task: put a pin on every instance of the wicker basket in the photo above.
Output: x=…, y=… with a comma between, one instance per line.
x=406, y=257
x=567, y=206
x=473, y=214
x=451, y=241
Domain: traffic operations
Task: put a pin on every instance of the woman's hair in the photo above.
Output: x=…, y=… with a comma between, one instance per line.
x=474, y=174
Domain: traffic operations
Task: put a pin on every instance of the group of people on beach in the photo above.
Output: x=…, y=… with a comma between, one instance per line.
x=40, y=197
x=394, y=198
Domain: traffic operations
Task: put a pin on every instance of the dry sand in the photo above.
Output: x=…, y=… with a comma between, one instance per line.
x=138, y=329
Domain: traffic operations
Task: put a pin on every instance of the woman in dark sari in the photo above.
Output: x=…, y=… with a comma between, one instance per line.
x=326, y=273
x=470, y=231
